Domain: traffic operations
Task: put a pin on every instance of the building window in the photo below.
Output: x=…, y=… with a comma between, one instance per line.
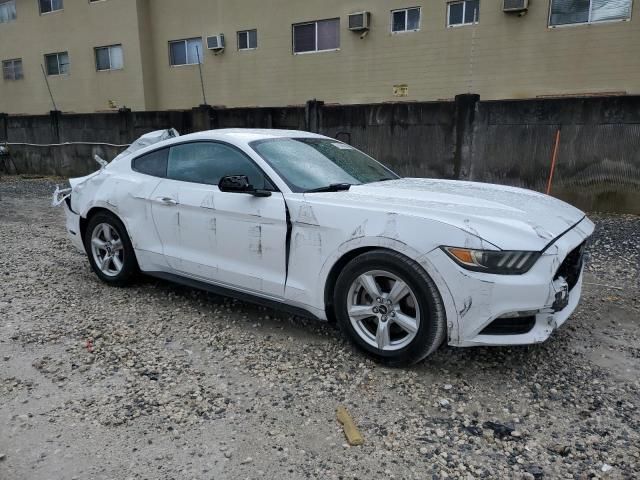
x=12, y=69
x=109, y=58
x=568, y=12
x=405, y=20
x=248, y=40
x=466, y=12
x=57, y=63
x=47, y=6
x=185, y=52
x=318, y=36
x=7, y=11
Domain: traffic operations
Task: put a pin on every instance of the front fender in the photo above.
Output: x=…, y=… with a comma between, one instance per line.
x=395, y=245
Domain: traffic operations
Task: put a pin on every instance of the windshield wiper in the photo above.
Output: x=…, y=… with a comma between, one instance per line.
x=334, y=187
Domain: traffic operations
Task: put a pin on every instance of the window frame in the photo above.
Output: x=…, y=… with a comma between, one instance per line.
x=135, y=159
x=57, y=54
x=12, y=61
x=464, y=11
x=269, y=183
x=315, y=23
x=246, y=33
x=108, y=47
x=15, y=10
x=52, y=10
x=186, y=56
x=588, y=22
x=406, y=20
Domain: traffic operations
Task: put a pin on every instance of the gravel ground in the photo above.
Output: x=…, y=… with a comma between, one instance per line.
x=158, y=381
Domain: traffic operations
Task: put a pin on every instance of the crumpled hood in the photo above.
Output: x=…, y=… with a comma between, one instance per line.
x=508, y=217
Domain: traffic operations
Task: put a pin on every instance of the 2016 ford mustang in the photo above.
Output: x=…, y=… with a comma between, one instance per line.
x=315, y=226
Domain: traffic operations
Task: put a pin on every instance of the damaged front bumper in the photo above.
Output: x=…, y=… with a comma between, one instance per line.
x=515, y=309
x=72, y=226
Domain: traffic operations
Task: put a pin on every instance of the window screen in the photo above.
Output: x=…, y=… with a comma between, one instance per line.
x=566, y=12
x=185, y=52
x=465, y=12
x=208, y=162
x=247, y=39
x=47, y=6
x=316, y=36
x=102, y=59
x=57, y=63
x=413, y=19
x=109, y=58
x=404, y=20
x=12, y=69
x=7, y=11
x=154, y=163
x=398, y=20
x=304, y=38
x=456, y=13
x=602, y=10
x=328, y=34
x=569, y=11
x=471, y=13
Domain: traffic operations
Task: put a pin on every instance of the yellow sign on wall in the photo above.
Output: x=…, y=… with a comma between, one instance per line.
x=401, y=90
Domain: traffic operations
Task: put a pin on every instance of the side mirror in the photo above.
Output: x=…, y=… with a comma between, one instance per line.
x=240, y=184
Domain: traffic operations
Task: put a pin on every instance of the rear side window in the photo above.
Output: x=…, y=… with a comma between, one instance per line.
x=208, y=162
x=154, y=163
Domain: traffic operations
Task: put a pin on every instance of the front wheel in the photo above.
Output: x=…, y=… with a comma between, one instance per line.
x=109, y=249
x=390, y=307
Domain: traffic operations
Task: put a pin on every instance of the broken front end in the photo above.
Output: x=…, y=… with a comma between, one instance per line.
x=522, y=309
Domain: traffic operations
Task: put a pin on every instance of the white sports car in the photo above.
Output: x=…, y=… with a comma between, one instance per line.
x=312, y=225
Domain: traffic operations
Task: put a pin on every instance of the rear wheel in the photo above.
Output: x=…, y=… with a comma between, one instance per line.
x=390, y=307
x=109, y=249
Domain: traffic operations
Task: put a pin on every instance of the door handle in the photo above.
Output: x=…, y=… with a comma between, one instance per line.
x=167, y=201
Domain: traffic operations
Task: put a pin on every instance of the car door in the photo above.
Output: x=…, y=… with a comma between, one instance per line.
x=234, y=239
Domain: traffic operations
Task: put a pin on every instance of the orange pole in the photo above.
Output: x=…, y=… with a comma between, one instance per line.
x=553, y=162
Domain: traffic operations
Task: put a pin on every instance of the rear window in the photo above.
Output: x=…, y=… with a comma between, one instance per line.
x=154, y=163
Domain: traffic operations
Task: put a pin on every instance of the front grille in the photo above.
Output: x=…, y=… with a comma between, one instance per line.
x=572, y=266
x=510, y=326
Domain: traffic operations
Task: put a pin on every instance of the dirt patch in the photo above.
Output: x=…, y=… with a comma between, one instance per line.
x=160, y=381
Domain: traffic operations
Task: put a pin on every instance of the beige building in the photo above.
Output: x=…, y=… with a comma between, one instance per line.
x=143, y=54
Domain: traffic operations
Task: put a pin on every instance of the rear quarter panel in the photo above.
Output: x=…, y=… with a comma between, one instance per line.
x=125, y=193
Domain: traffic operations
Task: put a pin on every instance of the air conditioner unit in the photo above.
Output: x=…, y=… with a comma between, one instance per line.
x=215, y=42
x=515, y=5
x=359, y=21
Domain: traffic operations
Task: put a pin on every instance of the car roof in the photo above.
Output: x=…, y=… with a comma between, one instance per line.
x=245, y=135
x=236, y=136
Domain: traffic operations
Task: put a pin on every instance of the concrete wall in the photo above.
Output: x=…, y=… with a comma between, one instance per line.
x=505, y=142
x=503, y=57
x=598, y=165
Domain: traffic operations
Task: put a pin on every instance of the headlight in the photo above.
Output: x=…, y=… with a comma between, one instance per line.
x=500, y=262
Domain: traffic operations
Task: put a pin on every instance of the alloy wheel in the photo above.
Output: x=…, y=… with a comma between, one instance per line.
x=107, y=249
x=383, y=310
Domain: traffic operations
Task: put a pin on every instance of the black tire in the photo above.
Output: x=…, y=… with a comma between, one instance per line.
x=432, y=329
x=129, y=263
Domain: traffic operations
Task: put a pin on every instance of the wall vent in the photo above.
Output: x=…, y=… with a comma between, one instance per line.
x=215, y=42
x=359, y=21
x=515, y=5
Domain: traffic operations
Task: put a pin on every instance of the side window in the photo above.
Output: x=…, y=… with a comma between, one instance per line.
x=154, y=163
x=208, y=162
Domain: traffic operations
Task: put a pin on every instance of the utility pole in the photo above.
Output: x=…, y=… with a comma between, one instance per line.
x=46, y=80
x=204, y=97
